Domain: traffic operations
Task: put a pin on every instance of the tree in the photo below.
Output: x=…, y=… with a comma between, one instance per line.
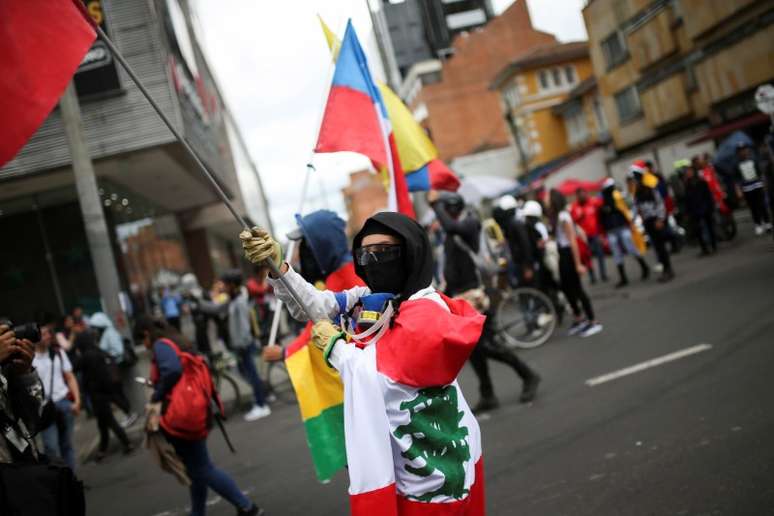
x=438, y=439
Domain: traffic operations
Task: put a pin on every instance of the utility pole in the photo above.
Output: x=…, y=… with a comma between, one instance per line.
x=515, y=132
x=91, y=207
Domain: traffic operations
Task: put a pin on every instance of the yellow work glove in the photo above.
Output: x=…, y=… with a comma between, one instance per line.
x=260, y=246
x=324, y=337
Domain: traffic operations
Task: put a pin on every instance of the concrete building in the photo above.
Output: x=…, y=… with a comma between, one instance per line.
x=454, y=103
x=163, y=216
x=676, y=76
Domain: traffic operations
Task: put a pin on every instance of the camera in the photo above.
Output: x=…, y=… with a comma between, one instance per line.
x=29, y=331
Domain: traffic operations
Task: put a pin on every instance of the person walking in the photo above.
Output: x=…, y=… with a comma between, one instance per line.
x=571, y=268
x=171, y=304
x=241, y=338
x=699, y=206
x=169, y=351
x=112, y=343
x=584, y=212
x=650, y=206
x=616, y=220
x=463, y=279
x=100, y=379
x=56, y=374
x=748, y=176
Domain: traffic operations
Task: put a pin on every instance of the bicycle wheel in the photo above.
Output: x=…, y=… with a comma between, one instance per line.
x=526, y=318
x=279, y=383
x=228, y=389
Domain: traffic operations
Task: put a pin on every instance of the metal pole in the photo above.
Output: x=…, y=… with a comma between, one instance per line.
x=202, y=167
x=49, y=258
x=91, y=205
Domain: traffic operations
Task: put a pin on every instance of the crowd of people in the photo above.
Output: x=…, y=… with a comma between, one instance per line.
x=434, y=272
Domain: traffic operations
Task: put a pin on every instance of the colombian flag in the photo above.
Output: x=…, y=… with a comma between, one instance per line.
x=356, y=120
x=418, y=155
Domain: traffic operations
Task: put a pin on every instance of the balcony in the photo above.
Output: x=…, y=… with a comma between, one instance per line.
x=653, y=41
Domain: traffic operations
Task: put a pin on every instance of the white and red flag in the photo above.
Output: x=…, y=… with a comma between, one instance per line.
x=42, y=42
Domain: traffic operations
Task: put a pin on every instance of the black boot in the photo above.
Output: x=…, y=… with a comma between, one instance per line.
x=622, y=273
x=485, y=404
x=252, y=511
x=644, y=269
x=529, y=390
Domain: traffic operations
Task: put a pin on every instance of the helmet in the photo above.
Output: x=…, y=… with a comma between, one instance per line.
x=608, y=183
x=532, y=209
x=681, y=164
x=507, y=202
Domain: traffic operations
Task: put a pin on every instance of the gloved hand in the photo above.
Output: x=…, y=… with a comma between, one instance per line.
x=259, y=245
x=324, y=334
x=152, y=416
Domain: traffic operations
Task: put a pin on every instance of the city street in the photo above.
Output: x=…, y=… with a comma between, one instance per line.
x=691, y=435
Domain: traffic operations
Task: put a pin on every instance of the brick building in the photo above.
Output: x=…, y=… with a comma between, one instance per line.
x=461, y=113
x=364, y=196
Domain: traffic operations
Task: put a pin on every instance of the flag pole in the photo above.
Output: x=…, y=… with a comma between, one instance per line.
x=198, y=161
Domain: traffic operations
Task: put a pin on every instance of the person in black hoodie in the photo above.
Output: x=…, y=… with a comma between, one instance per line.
x=699, y=206
x=462, y=276
x=100, y=376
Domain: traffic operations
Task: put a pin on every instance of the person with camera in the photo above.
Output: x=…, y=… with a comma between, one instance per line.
x=21, y=396
x=59, y=384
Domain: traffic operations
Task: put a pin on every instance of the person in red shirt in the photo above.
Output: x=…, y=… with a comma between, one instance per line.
x=584, y=213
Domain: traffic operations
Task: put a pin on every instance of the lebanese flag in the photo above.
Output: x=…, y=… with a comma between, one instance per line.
x=413, y=444
x=42, y=42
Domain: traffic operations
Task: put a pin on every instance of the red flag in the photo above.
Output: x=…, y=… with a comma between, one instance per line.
x=42, y=42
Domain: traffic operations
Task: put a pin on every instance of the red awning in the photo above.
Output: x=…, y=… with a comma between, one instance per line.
x=570, y=186
x=719, y=131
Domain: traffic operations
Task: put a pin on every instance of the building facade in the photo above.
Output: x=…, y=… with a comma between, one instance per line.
x=455, y=104
x=676, y=76
x=164, y=219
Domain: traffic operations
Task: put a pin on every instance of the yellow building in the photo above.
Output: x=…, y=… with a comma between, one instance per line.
x=530, y=88
x=675, y=76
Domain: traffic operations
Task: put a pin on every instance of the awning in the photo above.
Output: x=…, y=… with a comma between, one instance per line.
x=719, y=131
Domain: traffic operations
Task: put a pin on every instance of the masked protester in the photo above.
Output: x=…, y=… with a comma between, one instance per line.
x=401, y=397
x=462, y=279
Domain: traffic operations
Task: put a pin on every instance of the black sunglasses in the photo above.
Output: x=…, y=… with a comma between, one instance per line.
x=377, y=253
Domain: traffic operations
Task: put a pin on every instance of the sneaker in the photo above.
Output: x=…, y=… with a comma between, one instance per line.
x=485, y=405
x=530, y=389
x=544, y=320
x=759, y=230
x=576, y=328
x=129, y=420
x=592, y=328
x=258, y=412
x=252, y=511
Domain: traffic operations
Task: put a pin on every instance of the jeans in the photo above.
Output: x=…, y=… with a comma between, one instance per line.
x=756, y=201
x=249, y=372
x=106, y=421
x=658, y=237
x=621, y=238
x=705, y=231
x=595, y=246
x=571, y=285
x=205, y=475
x=58, y=438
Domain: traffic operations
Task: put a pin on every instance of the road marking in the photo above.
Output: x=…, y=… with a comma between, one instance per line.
x=648, y=364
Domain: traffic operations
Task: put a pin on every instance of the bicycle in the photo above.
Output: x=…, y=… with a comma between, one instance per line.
x=525, y=317
x=221, y=364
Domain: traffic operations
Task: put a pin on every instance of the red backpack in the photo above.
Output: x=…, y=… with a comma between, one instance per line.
x=188, y=410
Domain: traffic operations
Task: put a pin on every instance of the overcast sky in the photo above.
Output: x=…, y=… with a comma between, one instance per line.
x=274, y=68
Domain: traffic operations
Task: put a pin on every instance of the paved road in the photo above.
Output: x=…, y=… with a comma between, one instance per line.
x=690, y=436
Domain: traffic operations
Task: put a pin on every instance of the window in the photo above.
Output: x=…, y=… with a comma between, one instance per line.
x=557, y=77
x=569, y=74
x=544, y=80
x=599, y=115
x=577, y=130
x=614, y=49
x=512, y=98
x=628, y=104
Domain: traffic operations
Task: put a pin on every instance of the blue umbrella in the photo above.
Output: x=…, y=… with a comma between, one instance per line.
x=725, y=157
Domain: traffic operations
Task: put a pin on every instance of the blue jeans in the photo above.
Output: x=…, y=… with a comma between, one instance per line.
x=58, y=438
x=246, y=365
x=204, y=475
x=595, y=246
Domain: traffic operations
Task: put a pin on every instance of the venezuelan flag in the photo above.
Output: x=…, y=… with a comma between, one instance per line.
x=418, y=156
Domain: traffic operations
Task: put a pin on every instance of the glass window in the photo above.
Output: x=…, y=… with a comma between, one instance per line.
x=628, y=104
x=544, y=80
x=614, y=48
x=557, y=77
x=569, y=74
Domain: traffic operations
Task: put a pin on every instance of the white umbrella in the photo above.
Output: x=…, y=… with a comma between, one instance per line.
x=476, y=188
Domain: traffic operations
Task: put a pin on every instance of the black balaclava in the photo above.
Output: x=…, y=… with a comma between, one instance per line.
x=310, y=269
x=413, y=271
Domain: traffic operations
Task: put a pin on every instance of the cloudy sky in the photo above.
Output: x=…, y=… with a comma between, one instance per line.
x=273, y=65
